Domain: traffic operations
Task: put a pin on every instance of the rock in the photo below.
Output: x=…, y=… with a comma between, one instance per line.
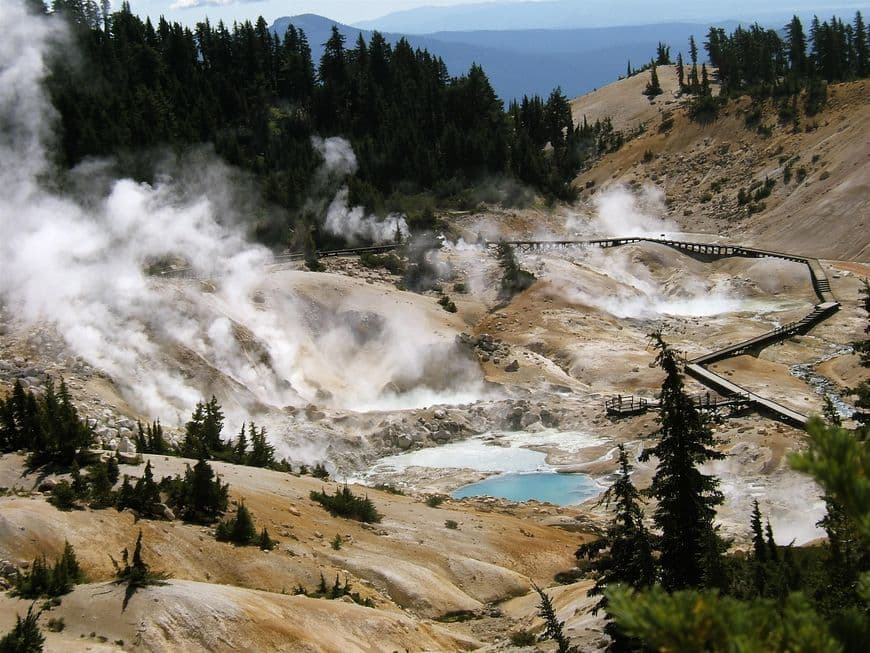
x=165, y=511
x=512, y=367
x=404, y=442
x=528, y=419
x=440, y=414
x=293, y=510
x=442, y=435
x=128, y=457
x=47, y=485
x=126, y=445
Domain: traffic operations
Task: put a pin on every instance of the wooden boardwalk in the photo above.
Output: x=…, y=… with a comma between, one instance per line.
x=826, y=307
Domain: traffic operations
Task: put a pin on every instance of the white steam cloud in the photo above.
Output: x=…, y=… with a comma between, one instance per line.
x=626, y=284
x=256, y=341
x=621, y=212
x=352, y=223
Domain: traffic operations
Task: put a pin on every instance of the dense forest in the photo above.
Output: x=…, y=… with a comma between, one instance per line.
x=259, y=99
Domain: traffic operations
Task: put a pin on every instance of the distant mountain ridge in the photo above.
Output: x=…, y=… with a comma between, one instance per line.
x=561, y=14
x=526, y=62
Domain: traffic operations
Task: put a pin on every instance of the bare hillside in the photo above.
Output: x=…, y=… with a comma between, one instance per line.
x=819, y=169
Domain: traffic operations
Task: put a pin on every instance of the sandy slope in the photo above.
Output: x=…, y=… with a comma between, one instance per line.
x=823, y=215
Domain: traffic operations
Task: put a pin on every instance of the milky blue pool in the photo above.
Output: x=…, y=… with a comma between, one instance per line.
x=560, y=489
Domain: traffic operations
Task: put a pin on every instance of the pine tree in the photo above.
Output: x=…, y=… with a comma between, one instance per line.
x=681, y=82
x=265, y=542
x=146, y=494
x=136, y=573
x=554, y=629
x=112, y=469
x=100, y=486
x=653, y=87
x=240, y=451
x=262, y=453
x=625, y=553
x=689, y=546
x=25, y=637
x=199, y=497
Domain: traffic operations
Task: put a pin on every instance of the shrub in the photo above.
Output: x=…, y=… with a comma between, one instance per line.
x=43, y=580
x=336, y=542
x=345, y=503
x=390, y=262
x=435, y=500
x=452, y=524
x=63, y=497
x=56, y=624
x=199, y=497
x=648, y=156
x=460, y=288
x=135, y=572
x=389, y=489
x=265, y=542
x=523, y=638
x=319, y=471
x=801, y=174
x=706, y=197
x=447, y=304
x=239, y=529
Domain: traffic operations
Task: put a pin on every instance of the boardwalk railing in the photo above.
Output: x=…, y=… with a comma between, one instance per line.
x=821, y=285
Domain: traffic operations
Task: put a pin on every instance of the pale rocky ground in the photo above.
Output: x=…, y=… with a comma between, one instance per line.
x=573, y=346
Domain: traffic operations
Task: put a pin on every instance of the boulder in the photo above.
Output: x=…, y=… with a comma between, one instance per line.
x=512, y=367
x=164, y=511
x=442, y=435
x=47, y=485
x=126, y=445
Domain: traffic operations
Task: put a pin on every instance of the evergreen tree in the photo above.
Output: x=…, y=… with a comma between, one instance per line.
x=797, y=47
x=554, y=629
x=146, y=494
x=681, y=82
x=262, y=453
x=239, y=529
x=653, y=87
x=689, y=546
x=135, y=572
x=625, y=553
x=199, y=497
x=265, y=542
x=100, y=486
x=112, y=469
x=240, y=450
x=25, y=637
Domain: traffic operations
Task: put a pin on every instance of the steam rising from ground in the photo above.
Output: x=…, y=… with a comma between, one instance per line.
x=79, y=264
x=621, y=212
x=352, y=224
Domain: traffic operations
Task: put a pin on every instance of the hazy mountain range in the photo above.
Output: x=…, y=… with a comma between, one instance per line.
x=525, y=62
x=559, y=14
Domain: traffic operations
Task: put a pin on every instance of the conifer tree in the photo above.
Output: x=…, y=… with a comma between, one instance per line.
x=240, y=450
x=262, y=453
x=625, y=553
x=653, y=87
x=26, y=636
x=100, y=486
x=689, y=546
x=681, y=82
x=553, y=628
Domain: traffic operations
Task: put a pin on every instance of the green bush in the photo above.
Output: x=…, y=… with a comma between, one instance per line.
x=523, y=638
x=447, y=304
x=345, y=503
x=239, y=529
x=435, y=500
x=452, y=524
x=63, y=497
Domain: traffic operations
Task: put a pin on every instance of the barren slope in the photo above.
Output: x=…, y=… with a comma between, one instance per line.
x=821, y=168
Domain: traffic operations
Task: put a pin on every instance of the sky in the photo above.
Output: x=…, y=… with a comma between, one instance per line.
x=190, y=12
